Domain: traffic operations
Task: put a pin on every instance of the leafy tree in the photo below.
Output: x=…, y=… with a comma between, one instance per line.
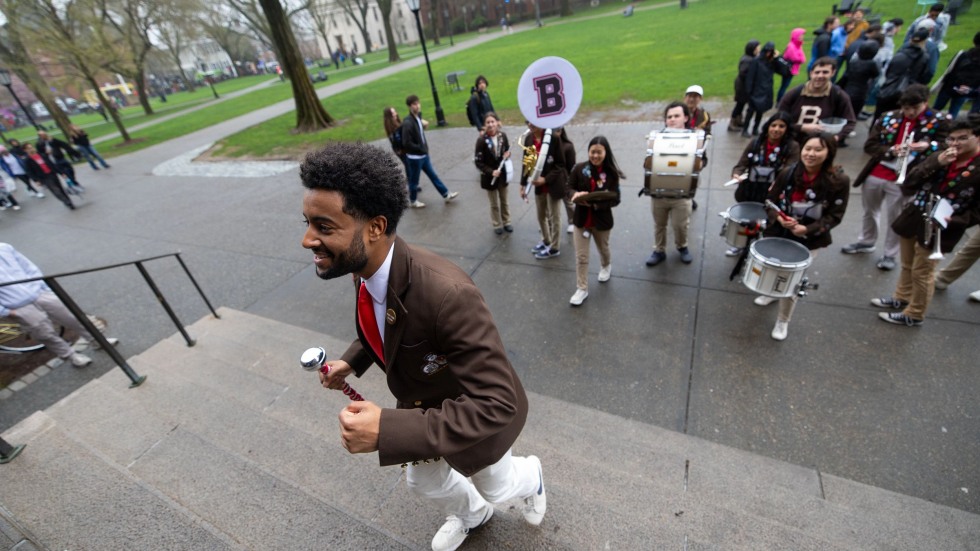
x=357, y=10
x=15, y=57
x=179, y=26
x=133, y=21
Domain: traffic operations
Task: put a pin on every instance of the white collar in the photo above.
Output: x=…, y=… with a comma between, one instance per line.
x=377, y=284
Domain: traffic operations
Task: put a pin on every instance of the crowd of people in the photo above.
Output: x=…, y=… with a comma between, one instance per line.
x=47, y=164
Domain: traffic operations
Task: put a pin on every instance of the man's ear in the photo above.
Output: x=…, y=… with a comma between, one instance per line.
x=376, y=228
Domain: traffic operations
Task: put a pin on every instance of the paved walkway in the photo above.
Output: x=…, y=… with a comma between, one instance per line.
x=678, y=346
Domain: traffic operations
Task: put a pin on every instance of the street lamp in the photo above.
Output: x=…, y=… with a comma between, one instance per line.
x=415, y=6
x=5, y=80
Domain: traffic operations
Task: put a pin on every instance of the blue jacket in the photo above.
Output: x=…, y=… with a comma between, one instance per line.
x=14, y=267
x=6, y=167
x=838, y=40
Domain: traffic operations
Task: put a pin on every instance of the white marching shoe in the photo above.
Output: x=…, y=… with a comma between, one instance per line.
x=780, y=330
x=453, y=533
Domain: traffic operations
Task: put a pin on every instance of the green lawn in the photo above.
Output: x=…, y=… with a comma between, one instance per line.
x=652, y=56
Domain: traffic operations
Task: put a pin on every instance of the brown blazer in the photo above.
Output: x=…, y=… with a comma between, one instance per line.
x=884, y=134
x=457, y=394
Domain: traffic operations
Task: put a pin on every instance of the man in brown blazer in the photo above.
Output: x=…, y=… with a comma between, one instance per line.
x=460, y=405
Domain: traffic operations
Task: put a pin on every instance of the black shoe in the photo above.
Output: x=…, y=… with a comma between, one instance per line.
x=686, y=257
x=656, y=258
x=694, y=205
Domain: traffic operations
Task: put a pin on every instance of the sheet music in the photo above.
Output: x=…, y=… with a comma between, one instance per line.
x=942, y=211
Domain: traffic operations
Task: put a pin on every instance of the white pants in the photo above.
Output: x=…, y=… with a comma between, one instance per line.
x=454, y=494
x=36, y=319
x=875, y=194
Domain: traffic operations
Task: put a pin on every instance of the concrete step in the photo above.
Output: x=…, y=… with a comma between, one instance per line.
x=219, y=425
x=70, y=497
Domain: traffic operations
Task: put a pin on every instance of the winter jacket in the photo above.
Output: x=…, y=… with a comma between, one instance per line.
x=758, y=80
x=794, y=50
x=15, y=267
x=820, y=48
x=741, y=95
x=909, y=66
x=477, y=107
x=861, y=71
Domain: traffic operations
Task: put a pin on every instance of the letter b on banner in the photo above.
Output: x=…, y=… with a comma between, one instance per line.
x=551, y=97
x=550, y=92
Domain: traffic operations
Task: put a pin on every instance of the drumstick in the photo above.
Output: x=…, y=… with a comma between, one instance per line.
x=735, y=180
x=315, y=359
x=779, y=211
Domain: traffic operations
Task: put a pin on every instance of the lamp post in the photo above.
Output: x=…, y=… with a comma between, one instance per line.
x=415, y=6
x=7, y=81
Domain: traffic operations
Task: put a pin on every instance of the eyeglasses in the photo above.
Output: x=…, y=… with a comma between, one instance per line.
x=961, y=139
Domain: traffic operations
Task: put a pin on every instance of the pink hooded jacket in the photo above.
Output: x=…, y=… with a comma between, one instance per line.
x=794, y=50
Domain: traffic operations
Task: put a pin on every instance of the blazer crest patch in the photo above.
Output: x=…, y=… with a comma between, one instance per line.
x=434, y=363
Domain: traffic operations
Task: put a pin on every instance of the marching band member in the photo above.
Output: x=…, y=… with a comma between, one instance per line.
x=953, y=176
x=881, y=194
x=492, y=149
x=593, y=218
x=814, y=194
x=549, y=190
x=763, y=158
x=677, y=210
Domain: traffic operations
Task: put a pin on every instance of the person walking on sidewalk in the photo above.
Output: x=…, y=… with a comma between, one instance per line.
x=12, y=162
x=79, y=137
x=57, y=150
x=40, y=168
x=34, y=306
x=964, y=259
x=881, y=193
x=422, y=320
x=417, y=158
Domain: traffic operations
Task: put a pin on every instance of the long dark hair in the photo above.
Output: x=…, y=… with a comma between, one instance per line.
x=760, y=142
x=830, y=143
x=392, y=120
x=609, y=163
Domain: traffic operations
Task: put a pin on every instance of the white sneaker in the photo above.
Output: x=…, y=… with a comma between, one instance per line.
x=579, y=297
x=452, y=195
x=733, y=251
x=570, y=228
x=79, y=360
x=940, y=284
x=39, y=195
x=975, y=296
x=763, y=300
x=780, y=331
x=536, y=504
x=453, y=533
x=604, y=273
x=416, y=204
x=82, y=343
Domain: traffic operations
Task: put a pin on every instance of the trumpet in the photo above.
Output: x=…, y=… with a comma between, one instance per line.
x=937, y=230
x=905, y=153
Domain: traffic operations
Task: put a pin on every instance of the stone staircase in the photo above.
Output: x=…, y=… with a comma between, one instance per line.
x=230, y=445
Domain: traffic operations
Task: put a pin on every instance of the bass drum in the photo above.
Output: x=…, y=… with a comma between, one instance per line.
x=673, y=162
x=775, y=266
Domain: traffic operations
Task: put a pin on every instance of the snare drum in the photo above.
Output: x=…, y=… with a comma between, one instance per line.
x=775, y=266
x=738, y=217
x=674, y=162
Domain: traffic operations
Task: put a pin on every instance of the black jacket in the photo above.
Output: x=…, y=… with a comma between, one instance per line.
x=477, y=108
x=58, y=149
x=412, y=140
x=758, y=80
x=909, y=66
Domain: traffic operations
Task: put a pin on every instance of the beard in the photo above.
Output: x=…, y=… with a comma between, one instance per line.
x=351, y=260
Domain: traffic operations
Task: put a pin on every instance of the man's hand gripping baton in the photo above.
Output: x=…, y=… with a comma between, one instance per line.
x=315, y=359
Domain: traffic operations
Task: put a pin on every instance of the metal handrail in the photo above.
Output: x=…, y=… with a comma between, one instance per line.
x=57, y=289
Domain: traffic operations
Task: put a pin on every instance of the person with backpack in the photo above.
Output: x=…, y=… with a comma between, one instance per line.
x=479, y=103
x=758, y=85
x=910, y=65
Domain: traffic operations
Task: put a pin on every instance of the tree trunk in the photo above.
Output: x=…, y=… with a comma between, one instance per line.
x=564, y=8
x=32, y=79
x=390, y=37
x=310, y=114
x=110, y=108
x=141, y=92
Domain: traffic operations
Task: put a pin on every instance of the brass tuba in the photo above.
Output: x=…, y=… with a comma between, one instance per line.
x=530, y=153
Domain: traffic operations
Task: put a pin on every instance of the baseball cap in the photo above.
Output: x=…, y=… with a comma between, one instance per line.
x=695, y=89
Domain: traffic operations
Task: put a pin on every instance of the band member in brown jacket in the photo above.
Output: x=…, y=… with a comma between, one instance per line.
x=460, y=405
x=952, y=175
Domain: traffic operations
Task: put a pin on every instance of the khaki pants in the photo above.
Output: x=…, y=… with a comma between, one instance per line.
x=499, y=210
x=549, y=219
x=965, y=257
x=36, y=319
x=915, y=280
x=678, y=212
x=582, y=254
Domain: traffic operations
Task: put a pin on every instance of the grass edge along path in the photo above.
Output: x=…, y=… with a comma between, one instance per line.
x=648, y=58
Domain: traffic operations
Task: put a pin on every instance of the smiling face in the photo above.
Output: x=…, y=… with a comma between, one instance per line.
x=597, y=154
x=335, y=237
x=490, y=125
x=777, y=129
x=813, y=155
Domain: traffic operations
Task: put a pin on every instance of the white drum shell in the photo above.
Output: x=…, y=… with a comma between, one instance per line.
x=744, y=212
x=674, y=162
x=767, y=274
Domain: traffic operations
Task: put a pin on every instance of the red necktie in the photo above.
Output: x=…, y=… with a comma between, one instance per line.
x=368, y=323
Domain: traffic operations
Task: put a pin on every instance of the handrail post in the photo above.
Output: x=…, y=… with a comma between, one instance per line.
x=56, y=288
x=8, y=452
x=196, y=286
x=164, y=303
